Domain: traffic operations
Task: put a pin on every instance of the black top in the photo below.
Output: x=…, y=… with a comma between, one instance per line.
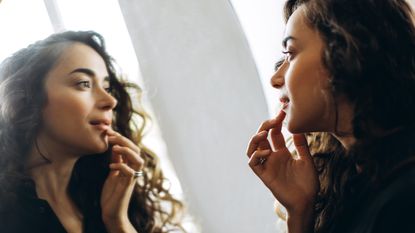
x=25, y=212
x=391, y=209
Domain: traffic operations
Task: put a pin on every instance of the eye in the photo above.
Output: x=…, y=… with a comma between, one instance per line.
x=279, y=63
x=288, y=55
x=84, y=84
x=108, y=89
x=106, y=85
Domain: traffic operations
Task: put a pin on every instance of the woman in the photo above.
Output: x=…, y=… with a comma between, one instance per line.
x=70, y=159
x=348, y=82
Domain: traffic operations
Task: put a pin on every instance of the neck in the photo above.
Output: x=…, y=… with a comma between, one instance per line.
x=52, y=180
x=51, y=170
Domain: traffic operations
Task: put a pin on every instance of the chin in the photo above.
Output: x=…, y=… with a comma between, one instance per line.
x=298, y=128
x=295, y=130
x=101, y=144
x=303, y=128
x=293, y=126
x=97, y=147
x=102, y=148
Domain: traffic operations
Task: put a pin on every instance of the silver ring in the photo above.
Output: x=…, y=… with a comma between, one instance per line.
x=262, y=160
x=138, y=174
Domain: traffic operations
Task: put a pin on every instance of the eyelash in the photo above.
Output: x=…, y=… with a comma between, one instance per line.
x=288, y=55
x=84, y=84
x=108, y=89
x=87, y=84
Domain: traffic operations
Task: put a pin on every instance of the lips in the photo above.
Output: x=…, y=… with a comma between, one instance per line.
x=101, y=124
x=284, y=101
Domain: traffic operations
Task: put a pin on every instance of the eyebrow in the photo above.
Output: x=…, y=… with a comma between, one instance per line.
x=286, y=39
x=88, y=72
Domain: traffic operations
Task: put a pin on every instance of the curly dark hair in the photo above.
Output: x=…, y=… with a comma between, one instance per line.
x=22, y=93
x=369, y=53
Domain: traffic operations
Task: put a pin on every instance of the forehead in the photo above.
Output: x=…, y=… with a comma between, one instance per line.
x=298, y=27
x=78, y=55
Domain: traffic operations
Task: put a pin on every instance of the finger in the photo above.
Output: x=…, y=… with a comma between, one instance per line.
x=256, y=141
x=111, y=131
x=117, y=138
x=267, y=125
x=134, y=159
x=277, y=138
x=280, y=118
x=123, y=168
x=116, y=158
x=258, y=158
x=122, y=180
x=301, y=145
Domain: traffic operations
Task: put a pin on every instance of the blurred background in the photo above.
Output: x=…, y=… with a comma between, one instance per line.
x=205, y=68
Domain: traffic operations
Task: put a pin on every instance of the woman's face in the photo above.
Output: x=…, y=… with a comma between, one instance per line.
x=303, y=80
x=79, y=109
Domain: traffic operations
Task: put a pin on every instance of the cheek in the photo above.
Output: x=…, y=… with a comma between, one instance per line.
x=66, y=120
x=306, y=78
x=297, y=80
x=310, y=100
x=65, y=109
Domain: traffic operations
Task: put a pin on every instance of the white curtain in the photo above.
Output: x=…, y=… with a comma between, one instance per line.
x=207, y=97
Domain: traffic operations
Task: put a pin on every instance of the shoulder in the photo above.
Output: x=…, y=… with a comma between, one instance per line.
x=393, y=207
x=9, y=206
x=18, y=208
x=12, y=196
x=396, y=215
x=388, y=209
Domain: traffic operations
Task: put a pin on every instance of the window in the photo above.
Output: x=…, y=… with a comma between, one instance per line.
x=22, y=23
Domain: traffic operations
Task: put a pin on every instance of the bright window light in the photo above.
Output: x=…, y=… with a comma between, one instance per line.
x=22, y=23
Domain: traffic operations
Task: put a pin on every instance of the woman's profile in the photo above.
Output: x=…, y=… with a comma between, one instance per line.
x=348, y=96
x=71, y=158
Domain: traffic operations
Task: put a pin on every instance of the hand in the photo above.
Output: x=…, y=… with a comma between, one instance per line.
x=119, y=185
x=293, y=181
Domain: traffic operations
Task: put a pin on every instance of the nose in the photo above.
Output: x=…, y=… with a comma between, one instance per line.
x=106, y=101
x=277, y=80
